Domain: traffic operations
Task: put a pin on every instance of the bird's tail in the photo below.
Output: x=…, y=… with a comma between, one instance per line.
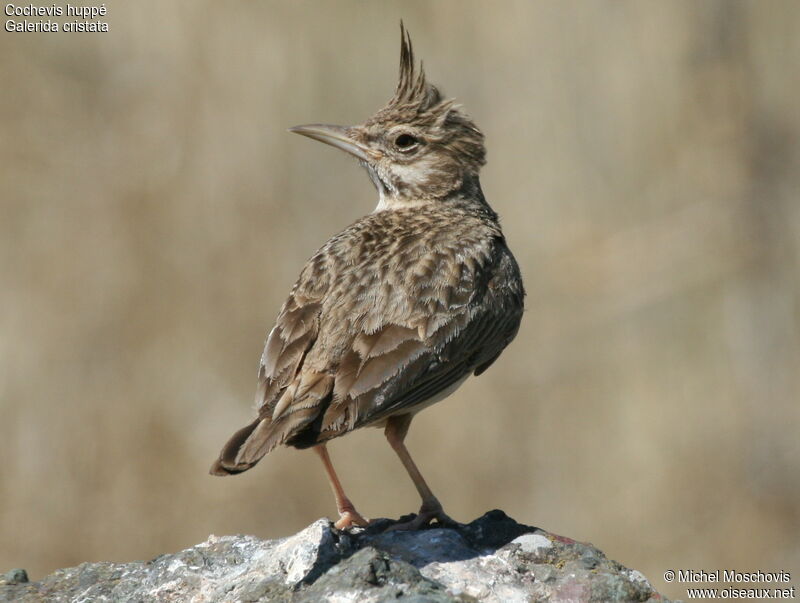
x=249, y=445
x=242, y=451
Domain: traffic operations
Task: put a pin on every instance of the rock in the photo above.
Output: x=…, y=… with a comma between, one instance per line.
x=15, y=576
x=492, y=559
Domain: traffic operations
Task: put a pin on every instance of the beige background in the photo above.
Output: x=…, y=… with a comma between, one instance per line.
x=154, y=213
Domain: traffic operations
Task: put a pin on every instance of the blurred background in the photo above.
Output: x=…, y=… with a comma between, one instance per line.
x=154, y=213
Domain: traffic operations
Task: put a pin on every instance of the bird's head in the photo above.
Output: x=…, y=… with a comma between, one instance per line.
x=419, y=148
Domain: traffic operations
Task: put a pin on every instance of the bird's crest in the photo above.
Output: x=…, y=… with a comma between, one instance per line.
x=412, y=87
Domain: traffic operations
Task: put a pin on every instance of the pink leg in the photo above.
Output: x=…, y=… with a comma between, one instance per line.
x=348, y=516
x=396, y=430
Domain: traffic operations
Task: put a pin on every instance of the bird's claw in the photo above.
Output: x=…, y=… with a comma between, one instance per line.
x=424, y=518
x=348, y=519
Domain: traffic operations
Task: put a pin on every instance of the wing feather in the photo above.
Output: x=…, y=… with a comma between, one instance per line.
x=377, y=326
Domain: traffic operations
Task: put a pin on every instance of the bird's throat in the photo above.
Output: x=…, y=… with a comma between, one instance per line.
x=384, y=193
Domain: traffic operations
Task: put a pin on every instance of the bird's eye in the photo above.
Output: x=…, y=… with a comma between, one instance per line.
x=405, y=142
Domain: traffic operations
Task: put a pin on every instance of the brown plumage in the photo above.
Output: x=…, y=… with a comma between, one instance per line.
x=397, y=310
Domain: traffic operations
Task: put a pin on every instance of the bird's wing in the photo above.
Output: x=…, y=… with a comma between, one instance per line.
x=388, y=381
x=360, y=340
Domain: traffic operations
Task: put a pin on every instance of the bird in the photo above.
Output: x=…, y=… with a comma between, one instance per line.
x=396, y=311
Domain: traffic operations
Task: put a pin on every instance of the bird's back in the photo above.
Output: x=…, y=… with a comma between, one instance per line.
x=386, y=316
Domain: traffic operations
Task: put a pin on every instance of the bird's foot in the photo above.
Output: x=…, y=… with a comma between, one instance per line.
x=427, y=514
x=350, y=518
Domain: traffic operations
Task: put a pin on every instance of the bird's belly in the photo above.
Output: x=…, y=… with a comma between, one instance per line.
x=426, y=403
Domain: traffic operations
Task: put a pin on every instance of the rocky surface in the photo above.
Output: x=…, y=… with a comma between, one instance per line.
x=492, y=559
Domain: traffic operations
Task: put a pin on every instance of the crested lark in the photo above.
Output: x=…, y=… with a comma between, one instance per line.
x=396, y=311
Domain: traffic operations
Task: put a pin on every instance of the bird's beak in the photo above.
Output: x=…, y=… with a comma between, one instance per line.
x=336, y=136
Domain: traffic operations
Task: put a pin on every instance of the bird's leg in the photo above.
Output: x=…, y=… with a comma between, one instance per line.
x=348, y=516
x=396, y=430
